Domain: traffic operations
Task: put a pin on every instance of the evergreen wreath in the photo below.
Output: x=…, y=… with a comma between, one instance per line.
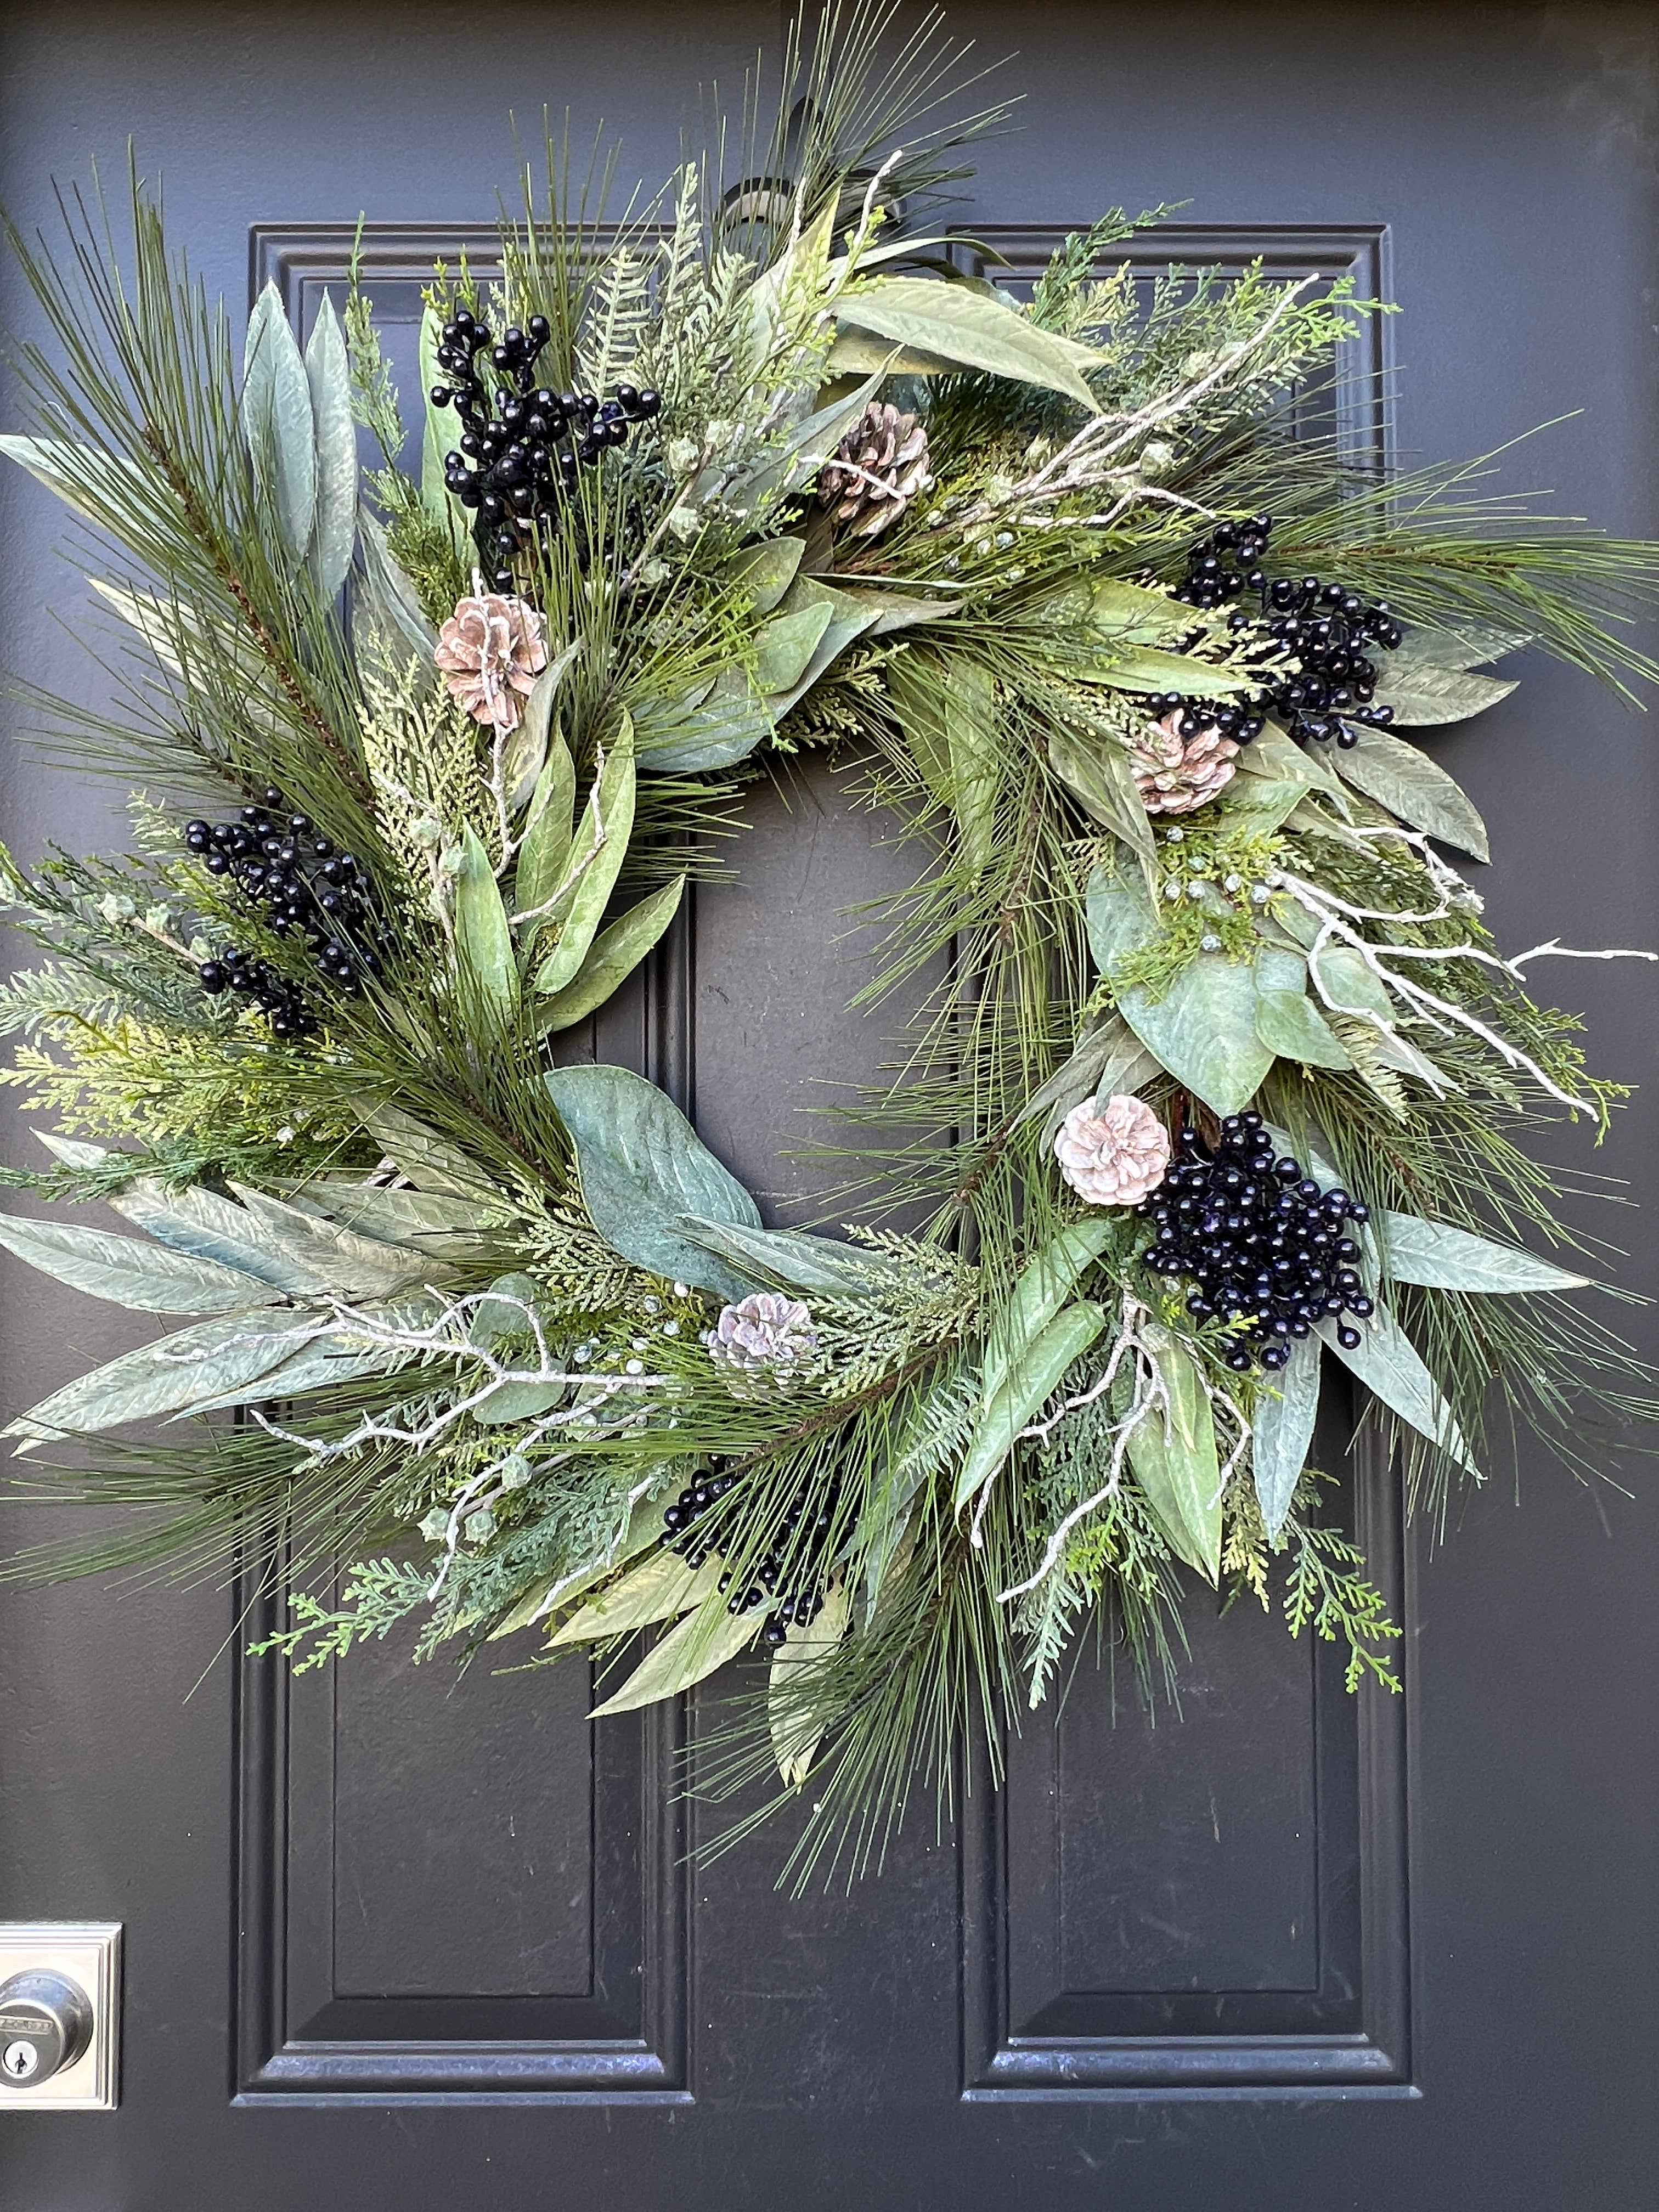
x=1226, y=1087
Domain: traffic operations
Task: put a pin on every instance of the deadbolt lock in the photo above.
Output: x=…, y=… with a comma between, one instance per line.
x=60, y=2015
x=45, y=2023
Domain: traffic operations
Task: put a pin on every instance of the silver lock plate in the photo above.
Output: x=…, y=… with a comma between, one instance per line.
x=88, y=1953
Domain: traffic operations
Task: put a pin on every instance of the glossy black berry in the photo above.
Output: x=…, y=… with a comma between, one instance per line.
x=1258, y=1240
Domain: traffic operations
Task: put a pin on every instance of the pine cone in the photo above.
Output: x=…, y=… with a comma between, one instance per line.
x=1173, y=773
x=1116, y=1157
x=879, y=467
x=760, y=1341
x=491, y=651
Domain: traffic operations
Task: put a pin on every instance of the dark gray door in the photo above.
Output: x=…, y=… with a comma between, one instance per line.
x=398, y=1940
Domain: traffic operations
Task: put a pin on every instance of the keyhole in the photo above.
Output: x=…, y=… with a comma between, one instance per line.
x=20, y=2060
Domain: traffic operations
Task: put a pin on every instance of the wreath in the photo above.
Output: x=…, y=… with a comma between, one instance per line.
x=1219, y=1085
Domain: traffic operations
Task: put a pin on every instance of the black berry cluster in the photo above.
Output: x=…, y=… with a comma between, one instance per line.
x=1264, y=1247
x=522, y=445
x=291, y=876
x=1326, y=628
x=695, y=1544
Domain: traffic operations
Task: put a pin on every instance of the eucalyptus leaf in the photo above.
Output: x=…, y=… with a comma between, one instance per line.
x=1173, y=1453
x=1281, y=1434
x=1441, y=1258
x=731, y=721
x=1388, y=1364
x=387, y=622
x=334, y=535
x=1045, y=1283
x=431, y=1163
x=128, y=1271
x=765, y=571
x=614, y=955
x=784, y=646
x=209, y=1227
x=642, y=1167
x=792, y=1258
x=804, y=1651
x=349, y=1265
x=971, y=329
x=660, y=1589
x=176, y=1375
x=276, y=420
x=486, y=971
x=698, y=1647
x=549, y=828
x=1422, y=696
x=1099, y=777
x=596, y=857
x=1415, y=789
x=1464, y=645
x=1032, y=1375
x=1202, y=1029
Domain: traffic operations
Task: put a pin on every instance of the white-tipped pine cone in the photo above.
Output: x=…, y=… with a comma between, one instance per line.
x=1116, y=1157
x=491, y=650
x=761, y=1340
x=1173, y=773
x=879, y=467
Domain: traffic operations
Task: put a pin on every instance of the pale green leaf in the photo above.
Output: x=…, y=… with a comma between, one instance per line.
x=1145, y=669
x=388, y=624
x=484, y=943
x=642, y=1166
x=971, y=328
x=1441, y=1258
x=697, y=1648
x=1414, y=788
x=175, y=1375
x=795, y=1734
x=715, y=726
x=1286, y=1020
x=549, y=828
x=1173, y=1453
x=524, y=750
x=96, y=484
x=440, y=428
x=348, y=1264
x=145, y=1277
x=794, y=1259
x=1098, y=776
x=1422, y=696
x=328, y=372
x=614, y=955
x=765, y=571
x=597, y=853
x=784, y=646
x=429, y=1161
x=1388, y=1364
x=1281, y=1434
x=641, y=1531
x=1032, y=1377
x=1045, y=1283
x=1466, y=645
x=277, y=420
x=660, y=1588
x=209, y=1227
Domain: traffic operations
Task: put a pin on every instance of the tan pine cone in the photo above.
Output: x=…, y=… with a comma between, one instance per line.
x=1173, y=773
x=879, y=467
x=1115, y=1157
x=491, y=650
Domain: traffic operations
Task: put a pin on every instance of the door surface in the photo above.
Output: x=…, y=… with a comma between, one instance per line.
x=395, y=1939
